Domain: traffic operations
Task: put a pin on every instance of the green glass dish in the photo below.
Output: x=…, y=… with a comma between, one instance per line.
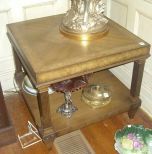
x=133, y=139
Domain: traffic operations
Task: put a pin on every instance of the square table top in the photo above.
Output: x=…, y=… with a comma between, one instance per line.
x=48, y=56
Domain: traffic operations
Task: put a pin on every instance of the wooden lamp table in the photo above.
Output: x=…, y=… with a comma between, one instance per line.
x=47, y=57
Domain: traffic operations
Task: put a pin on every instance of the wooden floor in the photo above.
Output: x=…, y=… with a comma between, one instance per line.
x=99, y=135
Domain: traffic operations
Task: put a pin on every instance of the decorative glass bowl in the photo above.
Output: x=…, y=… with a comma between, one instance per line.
x=96, y=95
x=134, y=139
x=71, y=84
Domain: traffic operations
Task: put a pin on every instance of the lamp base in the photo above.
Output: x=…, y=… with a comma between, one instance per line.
x=84, y=36
x=85, y=20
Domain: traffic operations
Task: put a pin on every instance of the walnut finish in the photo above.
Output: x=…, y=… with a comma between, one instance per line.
x=100, y=135
x=7, y=132
x=48, y=57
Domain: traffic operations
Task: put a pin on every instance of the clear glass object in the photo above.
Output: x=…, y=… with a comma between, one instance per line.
x=96, y=95
x=67, y=109
x=85, y=20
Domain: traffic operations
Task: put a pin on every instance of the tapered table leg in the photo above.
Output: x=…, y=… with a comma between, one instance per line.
x=136, y=86
x=46, y=130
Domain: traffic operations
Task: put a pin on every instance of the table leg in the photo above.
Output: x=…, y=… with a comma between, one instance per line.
x=46, y=130
x=136, y=86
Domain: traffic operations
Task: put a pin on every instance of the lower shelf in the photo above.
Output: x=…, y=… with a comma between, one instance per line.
x=121, y=102
x=86, y=115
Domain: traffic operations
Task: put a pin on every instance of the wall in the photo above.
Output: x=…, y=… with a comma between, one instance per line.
x=19, y=10
x=136, y=16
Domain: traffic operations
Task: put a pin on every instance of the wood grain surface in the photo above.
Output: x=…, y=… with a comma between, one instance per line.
x=48, y=56
x=7, y=133
x=100, y=135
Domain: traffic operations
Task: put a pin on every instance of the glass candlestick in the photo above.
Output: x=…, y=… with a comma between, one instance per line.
x=67, y=108
x=67, y=87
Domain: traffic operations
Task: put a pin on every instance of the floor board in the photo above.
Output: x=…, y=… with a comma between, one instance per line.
x=99, y=135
